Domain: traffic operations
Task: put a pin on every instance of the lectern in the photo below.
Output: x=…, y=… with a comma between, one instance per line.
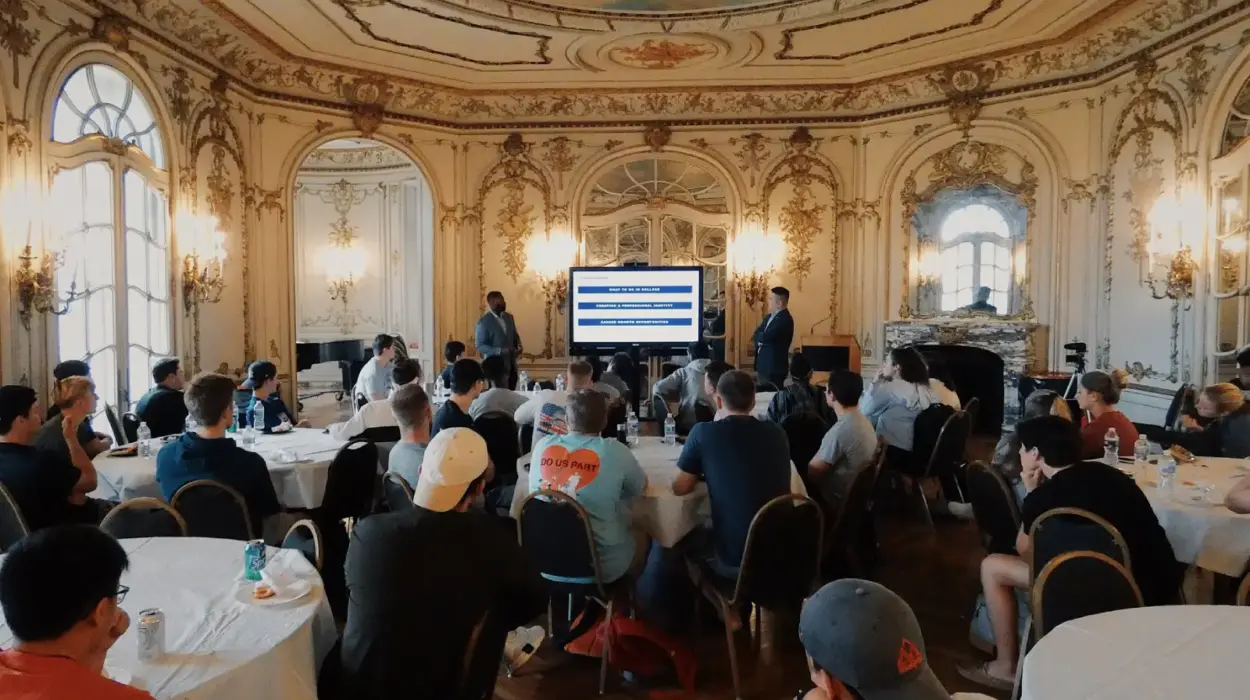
x=830, y=352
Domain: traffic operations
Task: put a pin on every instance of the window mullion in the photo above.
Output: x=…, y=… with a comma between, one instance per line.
x=120, y=286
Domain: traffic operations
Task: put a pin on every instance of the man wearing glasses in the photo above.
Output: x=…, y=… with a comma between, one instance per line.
x=60, y=590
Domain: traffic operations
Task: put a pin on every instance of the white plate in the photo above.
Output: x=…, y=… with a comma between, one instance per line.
x=297, y=588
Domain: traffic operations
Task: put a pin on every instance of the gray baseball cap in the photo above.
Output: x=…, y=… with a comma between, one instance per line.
x=867, y=637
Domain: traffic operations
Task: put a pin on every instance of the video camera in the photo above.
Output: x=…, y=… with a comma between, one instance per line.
x=1077, y=355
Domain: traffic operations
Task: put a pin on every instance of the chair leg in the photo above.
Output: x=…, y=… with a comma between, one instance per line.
x=733, y=652
x=607, y=648
x=924, y=504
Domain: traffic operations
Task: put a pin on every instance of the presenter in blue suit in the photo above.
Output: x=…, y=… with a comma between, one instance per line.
x=496, y=334
x=773, y=337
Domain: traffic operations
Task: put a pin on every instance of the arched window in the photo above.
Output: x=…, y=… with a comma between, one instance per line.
x=975, y=249
x=111, y=223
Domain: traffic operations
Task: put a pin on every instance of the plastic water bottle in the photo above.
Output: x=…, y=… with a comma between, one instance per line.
x=559, y=382
x=1141, y=449
x=670, y=430
x=631, y=428
x=1111, y=447
x=189, y=425
x=1167, y=474
x=236, y=423
x=524, y=382
x=145, y=440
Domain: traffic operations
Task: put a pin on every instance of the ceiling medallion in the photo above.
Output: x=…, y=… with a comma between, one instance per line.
x=662, y=54
x=657, y=136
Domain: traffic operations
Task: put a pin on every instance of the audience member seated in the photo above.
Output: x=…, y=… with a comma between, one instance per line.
x=467, y=381
x=65, y=370
x=374, y=380
x=1050, y=454
x=745, y=462
x=1242, y=380
x=596, y=378
x=602, y=474
x=619, y=373
x=453, y=351
x=61, y=593
x=75, y=394
x=685, y=388
x=1006, y=460
x=498, y=398
x=48, y=488
x=162, y=408
x=546, y=410
x=262, y=381
x=1099, y=394
x=900, y=391
x=798, y=395
x=378, y=414
x=863, y=643
x=208, y=454
x=942, y=384
x=715, y=370
x=410, y=406
x=1228, y=435
x=848, y=447
x=419, y=580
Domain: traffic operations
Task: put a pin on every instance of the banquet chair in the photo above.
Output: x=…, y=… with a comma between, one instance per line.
x=12, y=524
x=554, y=531
x=130, y=427
x=764, y=386
x=499, y=430
x=770, y=577
x=1062, y=530
x=804, y=431
x=144, y=517
x=396, y=492
x=852, y=521
x=994, y=505
x=617, y=414
x=115, y=425
x=349, y=483
x=1079, y=584
x=305, y=537
x=946, y=457
x=213, y=509
x=973, y=409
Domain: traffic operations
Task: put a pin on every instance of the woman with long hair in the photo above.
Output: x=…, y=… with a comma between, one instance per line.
x=900, y=391
x=1098, y=395
x=1228, y=435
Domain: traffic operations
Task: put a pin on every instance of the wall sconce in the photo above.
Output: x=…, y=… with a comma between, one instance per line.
x=203, y=267
x=1176, y=228
x=550, y=257
x=344, y=265
x=755, y=256
x=35, y=276
x=930, y=269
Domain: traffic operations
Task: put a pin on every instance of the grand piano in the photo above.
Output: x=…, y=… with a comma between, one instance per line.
x=350, y=355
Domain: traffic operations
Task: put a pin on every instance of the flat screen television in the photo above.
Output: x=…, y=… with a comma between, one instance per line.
x=611, y=308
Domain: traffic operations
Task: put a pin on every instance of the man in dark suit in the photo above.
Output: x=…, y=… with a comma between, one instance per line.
x=772, y=339
x=496, y=334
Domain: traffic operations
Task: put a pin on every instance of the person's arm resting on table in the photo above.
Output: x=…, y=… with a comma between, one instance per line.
x=690, y=463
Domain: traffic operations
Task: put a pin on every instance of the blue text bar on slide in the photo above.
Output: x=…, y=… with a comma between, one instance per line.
x=635, y=322
x=673, y=289
x=634, y=305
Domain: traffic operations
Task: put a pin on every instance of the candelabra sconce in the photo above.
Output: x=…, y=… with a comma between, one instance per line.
x=1178, y=283
x=555, y=289
x=203, y=268
x=755, y=256
x=1175, y=230
x=339, y=289
x=35, y=280
x=754, y=286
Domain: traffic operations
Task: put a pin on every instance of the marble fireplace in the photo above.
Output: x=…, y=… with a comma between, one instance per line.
x=1020, y=345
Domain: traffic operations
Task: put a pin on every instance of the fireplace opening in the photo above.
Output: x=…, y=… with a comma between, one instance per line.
x=975, y=372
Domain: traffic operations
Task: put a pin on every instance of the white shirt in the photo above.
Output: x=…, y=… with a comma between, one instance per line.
x=373, y=379
x=375, y=414
x=549, y=420
x=944, y=394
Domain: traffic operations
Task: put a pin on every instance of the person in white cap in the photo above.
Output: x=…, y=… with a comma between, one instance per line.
x=419, y=581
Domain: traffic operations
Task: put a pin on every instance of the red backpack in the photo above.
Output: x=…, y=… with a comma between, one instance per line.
x=640, y=649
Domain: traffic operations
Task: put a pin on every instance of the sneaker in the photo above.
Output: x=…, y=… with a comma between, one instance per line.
x=521, y=645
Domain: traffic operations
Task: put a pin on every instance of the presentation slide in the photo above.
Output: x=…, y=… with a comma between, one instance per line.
x=643, y=305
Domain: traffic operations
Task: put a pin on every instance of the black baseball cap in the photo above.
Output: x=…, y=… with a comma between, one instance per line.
x=258, y=373
x=867, y=637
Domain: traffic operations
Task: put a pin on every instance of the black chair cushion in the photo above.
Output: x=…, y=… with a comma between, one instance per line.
x=499, y=430
x=211, y=511
x=350, y=482
x=994, y=505
x=1080, y=586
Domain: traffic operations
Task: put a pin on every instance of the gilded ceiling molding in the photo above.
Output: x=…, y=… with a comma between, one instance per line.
x=367, y=158
x=964, y=88
x=984, y=9
x=801, y=218
x=964, y=165
x=1143, y=110
x=514, y=223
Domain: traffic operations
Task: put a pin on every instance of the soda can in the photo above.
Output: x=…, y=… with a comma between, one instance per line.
x=253, y=560
x=151, y=632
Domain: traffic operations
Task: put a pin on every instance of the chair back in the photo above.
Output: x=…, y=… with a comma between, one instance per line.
x=926, y=430
x=554, y=531
x=804, y=431
x=144, y=517
x=952, y=441
x=973, y=409
x=846, y=525
x=396, y=492
x=130, y=426
x=1079, y=584
x=1182, y=403
x=994, y=505
x=305, y=537
x=703, y=413
x=212, y=509
x=499, y=430
x=616, y=416
x=350, y=482
x=381, y=433
x=763, y=385
x=771, y=575
x=12, y=524
x=1061, y=530
x=115, y=425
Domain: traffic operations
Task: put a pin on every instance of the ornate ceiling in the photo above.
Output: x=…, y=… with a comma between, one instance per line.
x=353, y=155
x=510, y=62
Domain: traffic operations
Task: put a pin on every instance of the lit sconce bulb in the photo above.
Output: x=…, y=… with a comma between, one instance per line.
x=1235, y=245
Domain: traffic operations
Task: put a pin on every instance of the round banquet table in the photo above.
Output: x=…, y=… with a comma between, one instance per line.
x=1183, y=651
x=301, y=484
x=659, y=512
x=1202, y=531
x=216, y=646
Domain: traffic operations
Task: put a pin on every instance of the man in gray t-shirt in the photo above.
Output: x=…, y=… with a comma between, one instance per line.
x=849, y=446
x=411, y=408
x=405, y=460
x=374, y=380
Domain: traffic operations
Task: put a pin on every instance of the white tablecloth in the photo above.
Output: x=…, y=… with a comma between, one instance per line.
x=1161, y=653
x=762, y=399
x=659, y=512
x=298, y=485
x=218, y=647
x=1207, y=535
